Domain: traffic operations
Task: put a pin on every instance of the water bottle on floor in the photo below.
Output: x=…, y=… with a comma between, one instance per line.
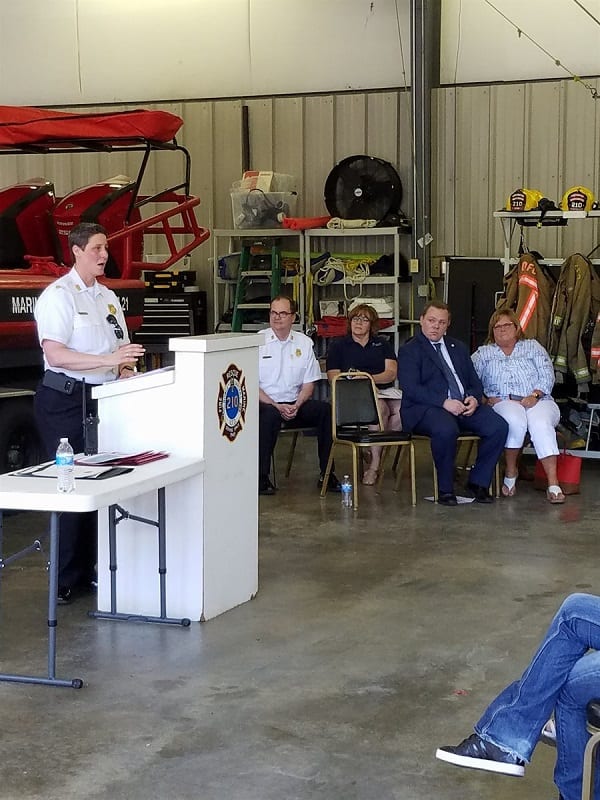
x=346, y=492
x=65, y=466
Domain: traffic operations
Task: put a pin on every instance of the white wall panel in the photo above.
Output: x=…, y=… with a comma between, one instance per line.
x=92, y=51
x=479, y=43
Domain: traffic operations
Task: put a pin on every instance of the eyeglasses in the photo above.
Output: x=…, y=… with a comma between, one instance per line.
x=281, y=314
x=360, y=318
x=112, y=320
x=504, y=326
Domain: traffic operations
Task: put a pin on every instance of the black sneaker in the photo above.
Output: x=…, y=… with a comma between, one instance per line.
x=64, y=595
x=265, y=486
x=477, y=754
x=333, y=485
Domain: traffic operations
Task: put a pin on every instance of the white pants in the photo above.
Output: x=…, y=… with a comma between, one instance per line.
x=540, y=420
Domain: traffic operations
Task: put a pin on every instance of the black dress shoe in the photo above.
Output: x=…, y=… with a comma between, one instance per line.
x=64, y=595
x=265, y=486
x=333, y=485
x=480, y=493
x=447, y=499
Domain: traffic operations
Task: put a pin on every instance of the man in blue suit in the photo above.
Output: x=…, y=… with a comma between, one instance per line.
x=441, y=398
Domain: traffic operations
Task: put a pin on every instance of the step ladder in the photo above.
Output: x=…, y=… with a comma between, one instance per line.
x=252, y=251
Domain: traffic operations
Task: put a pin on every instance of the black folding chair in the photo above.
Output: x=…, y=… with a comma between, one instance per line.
x=295, y=433
x=354, y=408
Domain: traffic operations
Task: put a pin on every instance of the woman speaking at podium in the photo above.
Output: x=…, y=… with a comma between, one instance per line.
x=82, y=331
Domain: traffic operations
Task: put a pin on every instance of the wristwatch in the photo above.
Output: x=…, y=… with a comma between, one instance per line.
x=537, y=394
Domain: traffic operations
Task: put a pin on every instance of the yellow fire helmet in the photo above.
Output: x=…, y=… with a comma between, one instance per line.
x=577, y=198
x=523, y=200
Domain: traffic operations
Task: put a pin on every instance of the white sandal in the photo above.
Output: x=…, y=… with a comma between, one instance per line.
x=508, y=487
x=555, y=495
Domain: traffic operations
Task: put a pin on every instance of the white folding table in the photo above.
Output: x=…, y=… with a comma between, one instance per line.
x=31, y=493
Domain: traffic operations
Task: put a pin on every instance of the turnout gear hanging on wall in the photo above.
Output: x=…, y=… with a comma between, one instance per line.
x=528, y=290
x=595, y=352
x=575, y=310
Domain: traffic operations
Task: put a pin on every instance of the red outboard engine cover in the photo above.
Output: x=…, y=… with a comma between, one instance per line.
x=26, y=222
x=106, y=203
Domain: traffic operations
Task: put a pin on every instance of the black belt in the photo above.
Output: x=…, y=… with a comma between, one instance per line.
x=62, y=383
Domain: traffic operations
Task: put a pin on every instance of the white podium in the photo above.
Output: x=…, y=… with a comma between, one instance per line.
x=206, y=406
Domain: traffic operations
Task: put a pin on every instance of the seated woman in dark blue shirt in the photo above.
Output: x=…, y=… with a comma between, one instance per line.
x=363, y=350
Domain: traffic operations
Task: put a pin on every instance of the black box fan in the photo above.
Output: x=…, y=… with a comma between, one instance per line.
x=363, y=187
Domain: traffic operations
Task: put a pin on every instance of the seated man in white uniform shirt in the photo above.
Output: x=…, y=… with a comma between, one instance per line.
x=287, y=373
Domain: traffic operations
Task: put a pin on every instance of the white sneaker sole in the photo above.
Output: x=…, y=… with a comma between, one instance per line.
x=548, y=734
x=481, y=763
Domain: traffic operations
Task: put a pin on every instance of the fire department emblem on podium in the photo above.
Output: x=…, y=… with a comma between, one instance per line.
x=232, y=402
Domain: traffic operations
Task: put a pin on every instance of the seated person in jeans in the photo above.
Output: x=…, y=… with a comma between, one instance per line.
x=441, y=398
x=562, y=677
x=363, y=350
x=287, y=372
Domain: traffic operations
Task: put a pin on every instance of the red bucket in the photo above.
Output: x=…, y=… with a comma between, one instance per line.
x=568, y=469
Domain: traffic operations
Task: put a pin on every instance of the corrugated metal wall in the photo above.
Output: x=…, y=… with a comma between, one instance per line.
x=490, y=140
x=302, y=136
x=487, y=141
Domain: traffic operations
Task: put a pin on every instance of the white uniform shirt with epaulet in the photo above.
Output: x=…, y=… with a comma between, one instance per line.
x=284, y=366
x=77, y=316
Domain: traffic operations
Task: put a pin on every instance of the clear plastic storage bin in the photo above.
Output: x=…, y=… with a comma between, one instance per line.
x=257, y=209
x=267, y=181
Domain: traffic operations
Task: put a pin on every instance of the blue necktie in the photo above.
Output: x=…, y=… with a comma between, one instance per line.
x=455, y=392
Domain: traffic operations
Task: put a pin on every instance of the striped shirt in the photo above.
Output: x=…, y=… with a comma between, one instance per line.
x=528, y=367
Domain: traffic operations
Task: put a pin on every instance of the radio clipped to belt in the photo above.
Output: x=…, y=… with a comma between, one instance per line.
x=59, y=382
x=90, y=427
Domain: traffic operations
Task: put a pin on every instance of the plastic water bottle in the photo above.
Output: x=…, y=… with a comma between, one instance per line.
x=65, y=466
x=346, y=492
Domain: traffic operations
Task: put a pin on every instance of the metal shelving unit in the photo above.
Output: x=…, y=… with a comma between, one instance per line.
x=226, y=241
x=510, y=220
x=369, y=240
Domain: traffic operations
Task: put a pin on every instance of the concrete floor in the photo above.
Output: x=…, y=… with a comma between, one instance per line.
x=374, y=638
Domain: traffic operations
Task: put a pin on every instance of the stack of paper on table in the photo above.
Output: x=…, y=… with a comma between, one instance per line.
x=121, y=459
